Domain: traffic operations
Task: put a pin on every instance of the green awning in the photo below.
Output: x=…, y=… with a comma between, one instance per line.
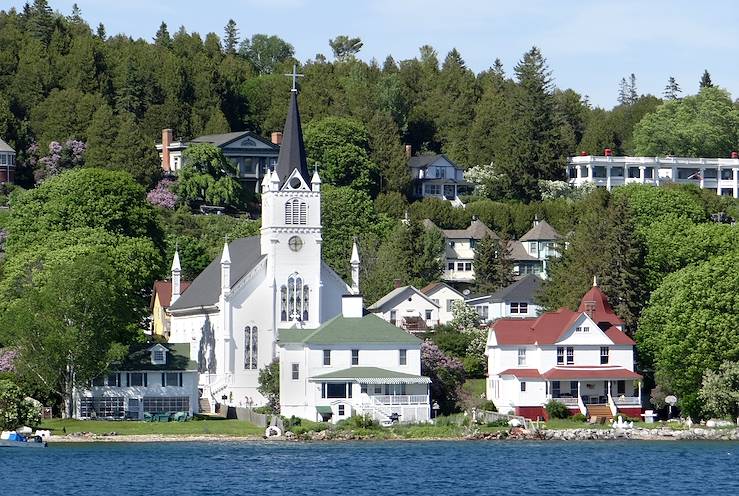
x=324, y=410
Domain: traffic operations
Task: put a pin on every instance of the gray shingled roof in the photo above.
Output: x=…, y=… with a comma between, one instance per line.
x=4, y=147
x=525, y=289
x=518, y=252
x=421, y=161
x=206, y=288
x=541, y=231
x=292, y=150
x=476, y=230
x=226, y=138
x=396, y=292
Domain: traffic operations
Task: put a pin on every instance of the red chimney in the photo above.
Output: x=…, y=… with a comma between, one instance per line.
x=608, y=152
x=583, y=153
x=408, y=151
x=397, y=283
x=277, y=138
x=166, y=141
x=734, y=155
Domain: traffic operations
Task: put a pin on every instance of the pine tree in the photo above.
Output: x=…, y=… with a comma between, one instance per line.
x=672, y=90
x=622, y=279
x=100, y=33
x=135, y=153
x=387, y=152
x=217, y=123
x=76, y=16
x=706, y=80
x=633, y=93
x=162, y=38
x=486, y=253
x=101, y=136
x=231, y=37
x=623, y=92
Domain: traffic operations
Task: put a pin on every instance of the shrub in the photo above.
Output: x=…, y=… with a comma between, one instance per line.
x=488, y=406
x=474, y=366
x=359, y=422
x=579, y=417
x=557, y=410
x=497, y=423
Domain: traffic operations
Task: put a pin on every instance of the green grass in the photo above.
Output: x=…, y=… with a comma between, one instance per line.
x=130, y=427
x=475, y=387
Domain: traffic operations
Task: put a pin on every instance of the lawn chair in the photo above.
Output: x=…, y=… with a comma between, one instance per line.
x=148, y=417
x=180, y=416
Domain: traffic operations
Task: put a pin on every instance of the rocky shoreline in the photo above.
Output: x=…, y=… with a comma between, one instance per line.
x=516, y=433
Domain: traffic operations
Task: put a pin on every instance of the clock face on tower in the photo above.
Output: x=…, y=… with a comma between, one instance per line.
x=295, y=243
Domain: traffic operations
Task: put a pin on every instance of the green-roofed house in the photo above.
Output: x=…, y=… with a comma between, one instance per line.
x=354, y=364
x=152, y=379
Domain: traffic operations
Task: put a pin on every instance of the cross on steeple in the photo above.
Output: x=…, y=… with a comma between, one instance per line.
x=295, y=77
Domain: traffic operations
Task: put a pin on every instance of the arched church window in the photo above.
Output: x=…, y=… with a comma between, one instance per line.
x=251, y=341
x=296, y=212
x=294, y=304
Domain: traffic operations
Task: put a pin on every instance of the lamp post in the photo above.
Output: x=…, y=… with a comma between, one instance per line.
x=435, y=408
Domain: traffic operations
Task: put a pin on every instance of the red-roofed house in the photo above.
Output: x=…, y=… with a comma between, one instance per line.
x=582, y=359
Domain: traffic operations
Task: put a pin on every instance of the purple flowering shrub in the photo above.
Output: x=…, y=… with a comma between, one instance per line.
x=446, y=374
x=7, y=359
x=61, y=156
x=162, y=194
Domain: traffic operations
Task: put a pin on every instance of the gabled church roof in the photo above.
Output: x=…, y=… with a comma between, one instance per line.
x=205, y=290
x=292, y=149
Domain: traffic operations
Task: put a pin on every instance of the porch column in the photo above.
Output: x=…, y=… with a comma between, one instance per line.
x=590, y=172
x=578, y=173
x=608, y=177
x=609, y=388
x=456, y=193
x=703, y=174
x=735, y=172
x=578, y=390
x=642, y=173
x=674, y=174
x=639, y=394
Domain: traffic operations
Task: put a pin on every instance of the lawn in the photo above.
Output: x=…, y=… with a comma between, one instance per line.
x=131, y=427
x=474, y=387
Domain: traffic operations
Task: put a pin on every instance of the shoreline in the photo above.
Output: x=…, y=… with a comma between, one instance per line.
x=515, y=434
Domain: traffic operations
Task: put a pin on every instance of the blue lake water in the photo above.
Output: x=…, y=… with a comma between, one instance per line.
x=374, y=468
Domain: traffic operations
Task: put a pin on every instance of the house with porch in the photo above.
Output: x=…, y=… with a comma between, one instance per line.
x=517, y=300
x=153, y=378
x=582, y=358
x=7, y=163
x=719, y=175
x=252, y=154
x=354, y=364
x=408, y=308
x=531, y=252
x=459, y=249
x=436, y=176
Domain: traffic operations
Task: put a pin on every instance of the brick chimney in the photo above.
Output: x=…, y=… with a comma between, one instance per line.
x=166, y=141
x=734, y=155
x=277, y=138
x=397, y=283
x=608, y=152
x=408, y=151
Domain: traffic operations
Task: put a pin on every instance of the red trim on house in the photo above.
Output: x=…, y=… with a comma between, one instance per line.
x=531, y=412
x=630, y=411
x=522, y=373
x=585, y=373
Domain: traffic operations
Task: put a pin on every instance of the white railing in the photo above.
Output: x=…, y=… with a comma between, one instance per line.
x=612, y=405
x=402, y=399
x=570, y=402
x=627, y=401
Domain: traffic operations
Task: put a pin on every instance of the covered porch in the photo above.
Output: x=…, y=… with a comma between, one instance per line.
x=602, y=391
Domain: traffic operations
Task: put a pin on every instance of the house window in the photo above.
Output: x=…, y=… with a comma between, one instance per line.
x=341, y=410
x=482, y=311
x=555, y=389
x=137, y=379
x=172, y=379
x=449, y=304
x=441, y=172
x=451, y=244
x=573, y=389
x=519, y=307
x=468, y=266
x=158, y=356
x=251, y=340
x=378, y=389
x=560, y=355
x=521, y=357
x=604, y=355
x=296, y=212
x=460, y=266
x=114, y=380
x=363, y=388
x=620, y=387
x=296, y=371
x=433, y=189
x=428, y=314
x=393, y=317
x=582, y=329
x=294, y=299
x=450, y=266
x=98, y=381
x=523, y=386
x=355, y=357
x=403, y=360
x=570, y=355
x=533, y=247
x=327, y=357
x=155, y=404
x=336, y=390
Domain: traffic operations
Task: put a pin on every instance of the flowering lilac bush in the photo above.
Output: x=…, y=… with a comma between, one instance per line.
x=61, y=156
x=162, y=194
x=7, y=359
x=446, y=374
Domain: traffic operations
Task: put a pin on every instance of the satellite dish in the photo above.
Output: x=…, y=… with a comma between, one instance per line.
x=466, y=292
x=671, y=400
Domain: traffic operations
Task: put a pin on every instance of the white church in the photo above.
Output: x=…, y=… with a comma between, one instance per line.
x=234, y=311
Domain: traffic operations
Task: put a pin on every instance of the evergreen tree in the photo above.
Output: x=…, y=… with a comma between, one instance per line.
x=705, y=81
x=100, y=33
x=344, y=47
x=633, y=93
x=672, y=90
x=387, y=152
x=101, y=137
x=487, y=265
x=231, y=37
x=217, y=123
x=623, y=92
x=135, y=153
x=162, y=38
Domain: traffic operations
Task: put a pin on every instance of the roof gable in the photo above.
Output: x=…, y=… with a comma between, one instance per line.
x=397, y=293
x=589, y=333
x=541, y=230
x=435, y=287
x=476, y=230
x=139, y=357
x=523, y=290
x=595, y=303
x=163, y=291
x=439, y=160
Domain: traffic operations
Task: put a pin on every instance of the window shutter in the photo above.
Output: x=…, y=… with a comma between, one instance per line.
x=164, y=382
x=146, y=376
x=179, y=378
x=128, y=379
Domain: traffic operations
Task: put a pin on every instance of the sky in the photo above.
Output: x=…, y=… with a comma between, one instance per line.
x=589, y=46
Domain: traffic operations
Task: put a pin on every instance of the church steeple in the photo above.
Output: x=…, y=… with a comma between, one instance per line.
x=292, y=149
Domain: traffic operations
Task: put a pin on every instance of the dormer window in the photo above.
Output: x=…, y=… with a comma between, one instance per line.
x=158, y=355
x=590, y=308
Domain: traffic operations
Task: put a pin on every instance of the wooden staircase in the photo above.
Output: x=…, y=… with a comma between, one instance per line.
x=600, y=411
x=204, y=405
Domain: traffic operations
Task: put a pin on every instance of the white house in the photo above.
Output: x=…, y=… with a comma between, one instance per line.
x=408, y=308
x=582, y=359
x=252, y=154
x=354, y=364
x=720, y=175
x=159, y=378
x=459, y=249
x=518, y=300
x=7, y=163
x=435, y=176
x=443, y=295
x=531, y=252
x=232, y=313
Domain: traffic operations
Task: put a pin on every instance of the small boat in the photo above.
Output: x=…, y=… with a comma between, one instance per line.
x=16, y=440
